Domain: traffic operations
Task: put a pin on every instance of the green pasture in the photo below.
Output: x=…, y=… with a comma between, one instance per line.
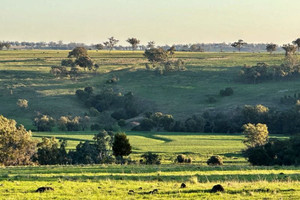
x=25, y=74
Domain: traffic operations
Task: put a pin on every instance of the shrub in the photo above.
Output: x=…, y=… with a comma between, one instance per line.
x=155, y=55
x=151, y=158
x=59, y=71
x=183, y=159
x=215, y=160
x=226, y=92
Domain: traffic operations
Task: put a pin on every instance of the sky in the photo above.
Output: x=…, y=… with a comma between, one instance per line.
x=163, y=21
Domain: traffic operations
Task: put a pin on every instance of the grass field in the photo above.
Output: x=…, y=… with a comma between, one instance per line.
x=25, y=74
x=114, y=182
x=240, y=180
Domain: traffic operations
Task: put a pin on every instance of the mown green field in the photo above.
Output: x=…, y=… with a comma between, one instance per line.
x=198, y=146
x=25, y=74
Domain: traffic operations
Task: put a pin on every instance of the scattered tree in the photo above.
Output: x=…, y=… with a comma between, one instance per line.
x=297, y=43
x=121, y=146
x=289, y=49
x=111, y=43
x=151, y=45
x=16, y=144
x=7, y=45
x=99, y=46
x=103, y=141
x=134, y=42
x=271, y=47
x=255, y=135
x=238, y=44
x=156, y=55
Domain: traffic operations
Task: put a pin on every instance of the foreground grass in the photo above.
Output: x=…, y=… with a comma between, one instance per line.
x=114, y=182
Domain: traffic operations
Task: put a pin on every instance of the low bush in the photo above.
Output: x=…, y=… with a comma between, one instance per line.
x=151, y=158
x=215, y=160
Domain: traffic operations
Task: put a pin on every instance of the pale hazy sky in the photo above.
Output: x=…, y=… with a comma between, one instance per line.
x=164, y=21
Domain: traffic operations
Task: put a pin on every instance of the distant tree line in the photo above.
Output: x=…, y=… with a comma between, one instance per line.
x=134, y=44
x=278, y=121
